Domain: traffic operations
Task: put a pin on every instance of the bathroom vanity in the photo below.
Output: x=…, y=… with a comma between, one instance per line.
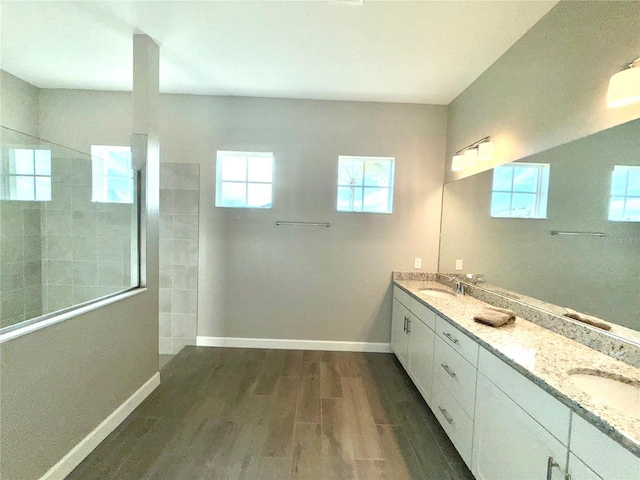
x=510, y=398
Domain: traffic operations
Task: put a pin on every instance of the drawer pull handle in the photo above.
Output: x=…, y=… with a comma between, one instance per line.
x=551, y=464
x=450, y=337
x=408, y=325
x=445, y=414
x=448, y=370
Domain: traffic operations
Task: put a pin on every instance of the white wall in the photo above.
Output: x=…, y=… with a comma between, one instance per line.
x=550, y=87
x=259, y=280
x=18, y=104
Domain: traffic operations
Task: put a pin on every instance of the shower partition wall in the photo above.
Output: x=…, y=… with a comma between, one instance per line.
x=63, y=243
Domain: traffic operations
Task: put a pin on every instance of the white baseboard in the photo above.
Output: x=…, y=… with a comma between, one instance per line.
x=283, y=343
x=78, y=453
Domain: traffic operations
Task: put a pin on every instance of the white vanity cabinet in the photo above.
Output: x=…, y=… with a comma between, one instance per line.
x=399, y=326
x=596, y=456
x=412, y=339
x=520, y=430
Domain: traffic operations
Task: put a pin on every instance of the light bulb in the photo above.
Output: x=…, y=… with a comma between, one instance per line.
x=457, y=164
x=485, y=151
x=470, y=157
x=624, y=88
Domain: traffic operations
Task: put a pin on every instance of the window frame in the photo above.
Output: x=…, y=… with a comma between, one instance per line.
x=627, y=169
x=542, y=191
x=220, y=155
x=8, y=181
x=367, y=159
x=100, y=175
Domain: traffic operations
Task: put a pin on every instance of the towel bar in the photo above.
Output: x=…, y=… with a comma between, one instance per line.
x=576, y=234
x=303, y=224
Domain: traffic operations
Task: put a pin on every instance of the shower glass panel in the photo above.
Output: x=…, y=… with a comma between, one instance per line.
x=64, y=242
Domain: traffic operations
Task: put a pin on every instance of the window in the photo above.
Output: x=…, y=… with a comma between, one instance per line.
x=28, y=176
x=624, y=203
x=365, y=184
x=112, y=175
x=520, y=190
x=244, y=179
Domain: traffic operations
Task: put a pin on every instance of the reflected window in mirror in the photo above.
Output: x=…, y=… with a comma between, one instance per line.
x=624, y=202
x=27, y=175
x=112, y=174
x=520, y=190
x=365, y=184
x=244, y=179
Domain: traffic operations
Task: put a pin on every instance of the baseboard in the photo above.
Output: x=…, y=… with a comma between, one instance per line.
x=283, y=343
x=78, y=453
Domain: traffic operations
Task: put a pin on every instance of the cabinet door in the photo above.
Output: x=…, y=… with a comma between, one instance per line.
x=399, y=336
x=421, y=341
x=508, y=444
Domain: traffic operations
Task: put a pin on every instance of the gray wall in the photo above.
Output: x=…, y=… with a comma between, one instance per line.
x=259, y=280
x=60, y=382
x=550, y=87
x=594, y=275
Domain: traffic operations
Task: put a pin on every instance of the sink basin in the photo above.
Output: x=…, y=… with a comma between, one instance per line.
x=438, y=293
x=610, y=389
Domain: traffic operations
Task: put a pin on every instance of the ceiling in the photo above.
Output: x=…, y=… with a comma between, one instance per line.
x=388, y=51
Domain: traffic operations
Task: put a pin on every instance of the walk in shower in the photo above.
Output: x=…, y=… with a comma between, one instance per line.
x=68, y=227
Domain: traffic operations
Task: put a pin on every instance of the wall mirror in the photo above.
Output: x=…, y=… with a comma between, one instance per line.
x=579, y=245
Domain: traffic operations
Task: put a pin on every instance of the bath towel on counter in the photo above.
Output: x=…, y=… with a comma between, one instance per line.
x=495, y=316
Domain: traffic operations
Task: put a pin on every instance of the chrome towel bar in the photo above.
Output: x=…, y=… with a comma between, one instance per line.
x=577, y=234
x=303, y=224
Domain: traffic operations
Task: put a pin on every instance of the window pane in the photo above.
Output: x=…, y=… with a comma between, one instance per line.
x=23, y=164
x=24, y=189
x=619, y=182
x=523, y=205
x=233, y=195
x=43, y=162
x=502, y=179
x=43, y=189
x=260, y=169
x=525, y=179
x=259, y=195
x=376, y=200
x=500, y=204
x=234, y=168
x=632, y=212
x=349, y=199
x=377, y=174
x=634, y=183
x=119, y=190
x=350, y=172
x=616, y=208
x=118, y=164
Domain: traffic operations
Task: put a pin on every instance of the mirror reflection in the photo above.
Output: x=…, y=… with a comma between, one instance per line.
x=561, y=226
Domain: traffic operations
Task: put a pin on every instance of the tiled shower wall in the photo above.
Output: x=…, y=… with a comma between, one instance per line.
x=86, y=246
x=20, y=263
x=179, y=213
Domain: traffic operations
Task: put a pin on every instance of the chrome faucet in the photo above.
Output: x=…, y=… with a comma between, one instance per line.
x=459, y=285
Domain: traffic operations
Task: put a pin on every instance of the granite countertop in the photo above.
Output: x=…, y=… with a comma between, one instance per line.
x=543, y=356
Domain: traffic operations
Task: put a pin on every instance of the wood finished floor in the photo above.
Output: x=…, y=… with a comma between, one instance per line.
x=224, y=413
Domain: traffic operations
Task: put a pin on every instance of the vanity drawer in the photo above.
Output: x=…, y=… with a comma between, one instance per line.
x=402, y=296
x=427, y=316
x=456, y=374
x=456, y=423
x=457, y=340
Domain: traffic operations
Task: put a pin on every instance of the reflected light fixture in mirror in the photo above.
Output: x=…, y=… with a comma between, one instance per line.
x=624, y=86
x=467, y=157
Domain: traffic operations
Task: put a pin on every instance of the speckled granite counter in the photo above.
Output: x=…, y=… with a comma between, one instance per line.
x=542, y=356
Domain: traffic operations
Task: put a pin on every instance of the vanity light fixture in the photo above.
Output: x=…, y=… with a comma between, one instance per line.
x=624, y=86
x=457, y=165
x=467, y=157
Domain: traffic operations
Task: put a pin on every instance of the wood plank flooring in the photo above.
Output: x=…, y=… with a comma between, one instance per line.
x=232, y=414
